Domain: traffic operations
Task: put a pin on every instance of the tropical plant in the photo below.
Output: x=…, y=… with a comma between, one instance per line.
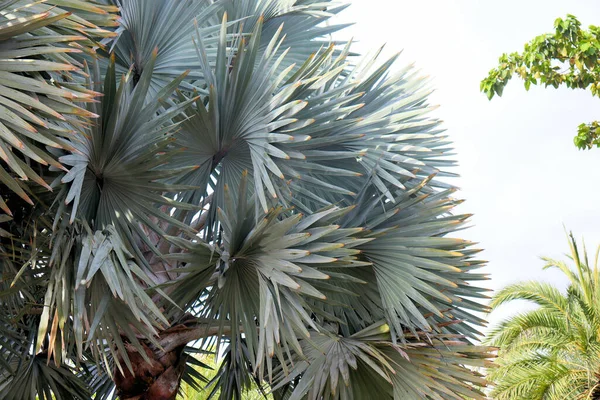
x=567, y=57
x=193, y=392
x=221, y=174
x=553, y=351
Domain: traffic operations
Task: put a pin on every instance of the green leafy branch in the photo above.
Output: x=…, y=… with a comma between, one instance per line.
x=567, y=57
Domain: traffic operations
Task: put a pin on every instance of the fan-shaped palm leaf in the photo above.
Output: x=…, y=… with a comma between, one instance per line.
x=167, y=25
x=276, y=198
x=37, y=85
x=367, y=365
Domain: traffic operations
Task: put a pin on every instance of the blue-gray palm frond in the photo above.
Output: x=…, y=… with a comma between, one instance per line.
x=39, y=82
x=231, y=175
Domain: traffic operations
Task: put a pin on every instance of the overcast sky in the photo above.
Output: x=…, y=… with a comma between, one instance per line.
x=521, y=175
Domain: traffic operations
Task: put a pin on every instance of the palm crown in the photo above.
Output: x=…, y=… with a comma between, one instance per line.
x=223, y=173
x=552, y=351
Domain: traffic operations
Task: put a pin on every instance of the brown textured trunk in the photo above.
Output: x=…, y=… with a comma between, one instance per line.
x=158, y=379
x=595, y=394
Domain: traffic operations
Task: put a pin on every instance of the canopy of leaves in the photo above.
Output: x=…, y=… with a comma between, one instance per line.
x=568, y=57
x=552, y=352
x=223, y=173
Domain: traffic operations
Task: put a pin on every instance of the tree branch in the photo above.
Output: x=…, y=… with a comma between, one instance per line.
x=182, y=334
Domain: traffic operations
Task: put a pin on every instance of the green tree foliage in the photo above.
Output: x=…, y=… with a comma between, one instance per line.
x=208, y=368
x=552, y=352
x=177, y=176
x=568, y=57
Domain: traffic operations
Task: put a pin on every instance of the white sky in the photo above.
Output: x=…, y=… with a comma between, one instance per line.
x=521, y=175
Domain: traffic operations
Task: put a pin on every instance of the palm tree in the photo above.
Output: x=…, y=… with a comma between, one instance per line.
x=553, y=351
x=177, y=176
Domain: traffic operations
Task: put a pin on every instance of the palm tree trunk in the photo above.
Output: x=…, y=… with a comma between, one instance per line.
x=158, y=379
x=595, y=395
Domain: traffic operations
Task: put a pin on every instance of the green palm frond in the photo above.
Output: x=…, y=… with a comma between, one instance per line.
x=542, y=294
x=550, y=352
x=196, y=369
x=234, y=375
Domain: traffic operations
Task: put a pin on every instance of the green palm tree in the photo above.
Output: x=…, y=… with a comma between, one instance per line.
x=553, y=351
x=177, y=176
